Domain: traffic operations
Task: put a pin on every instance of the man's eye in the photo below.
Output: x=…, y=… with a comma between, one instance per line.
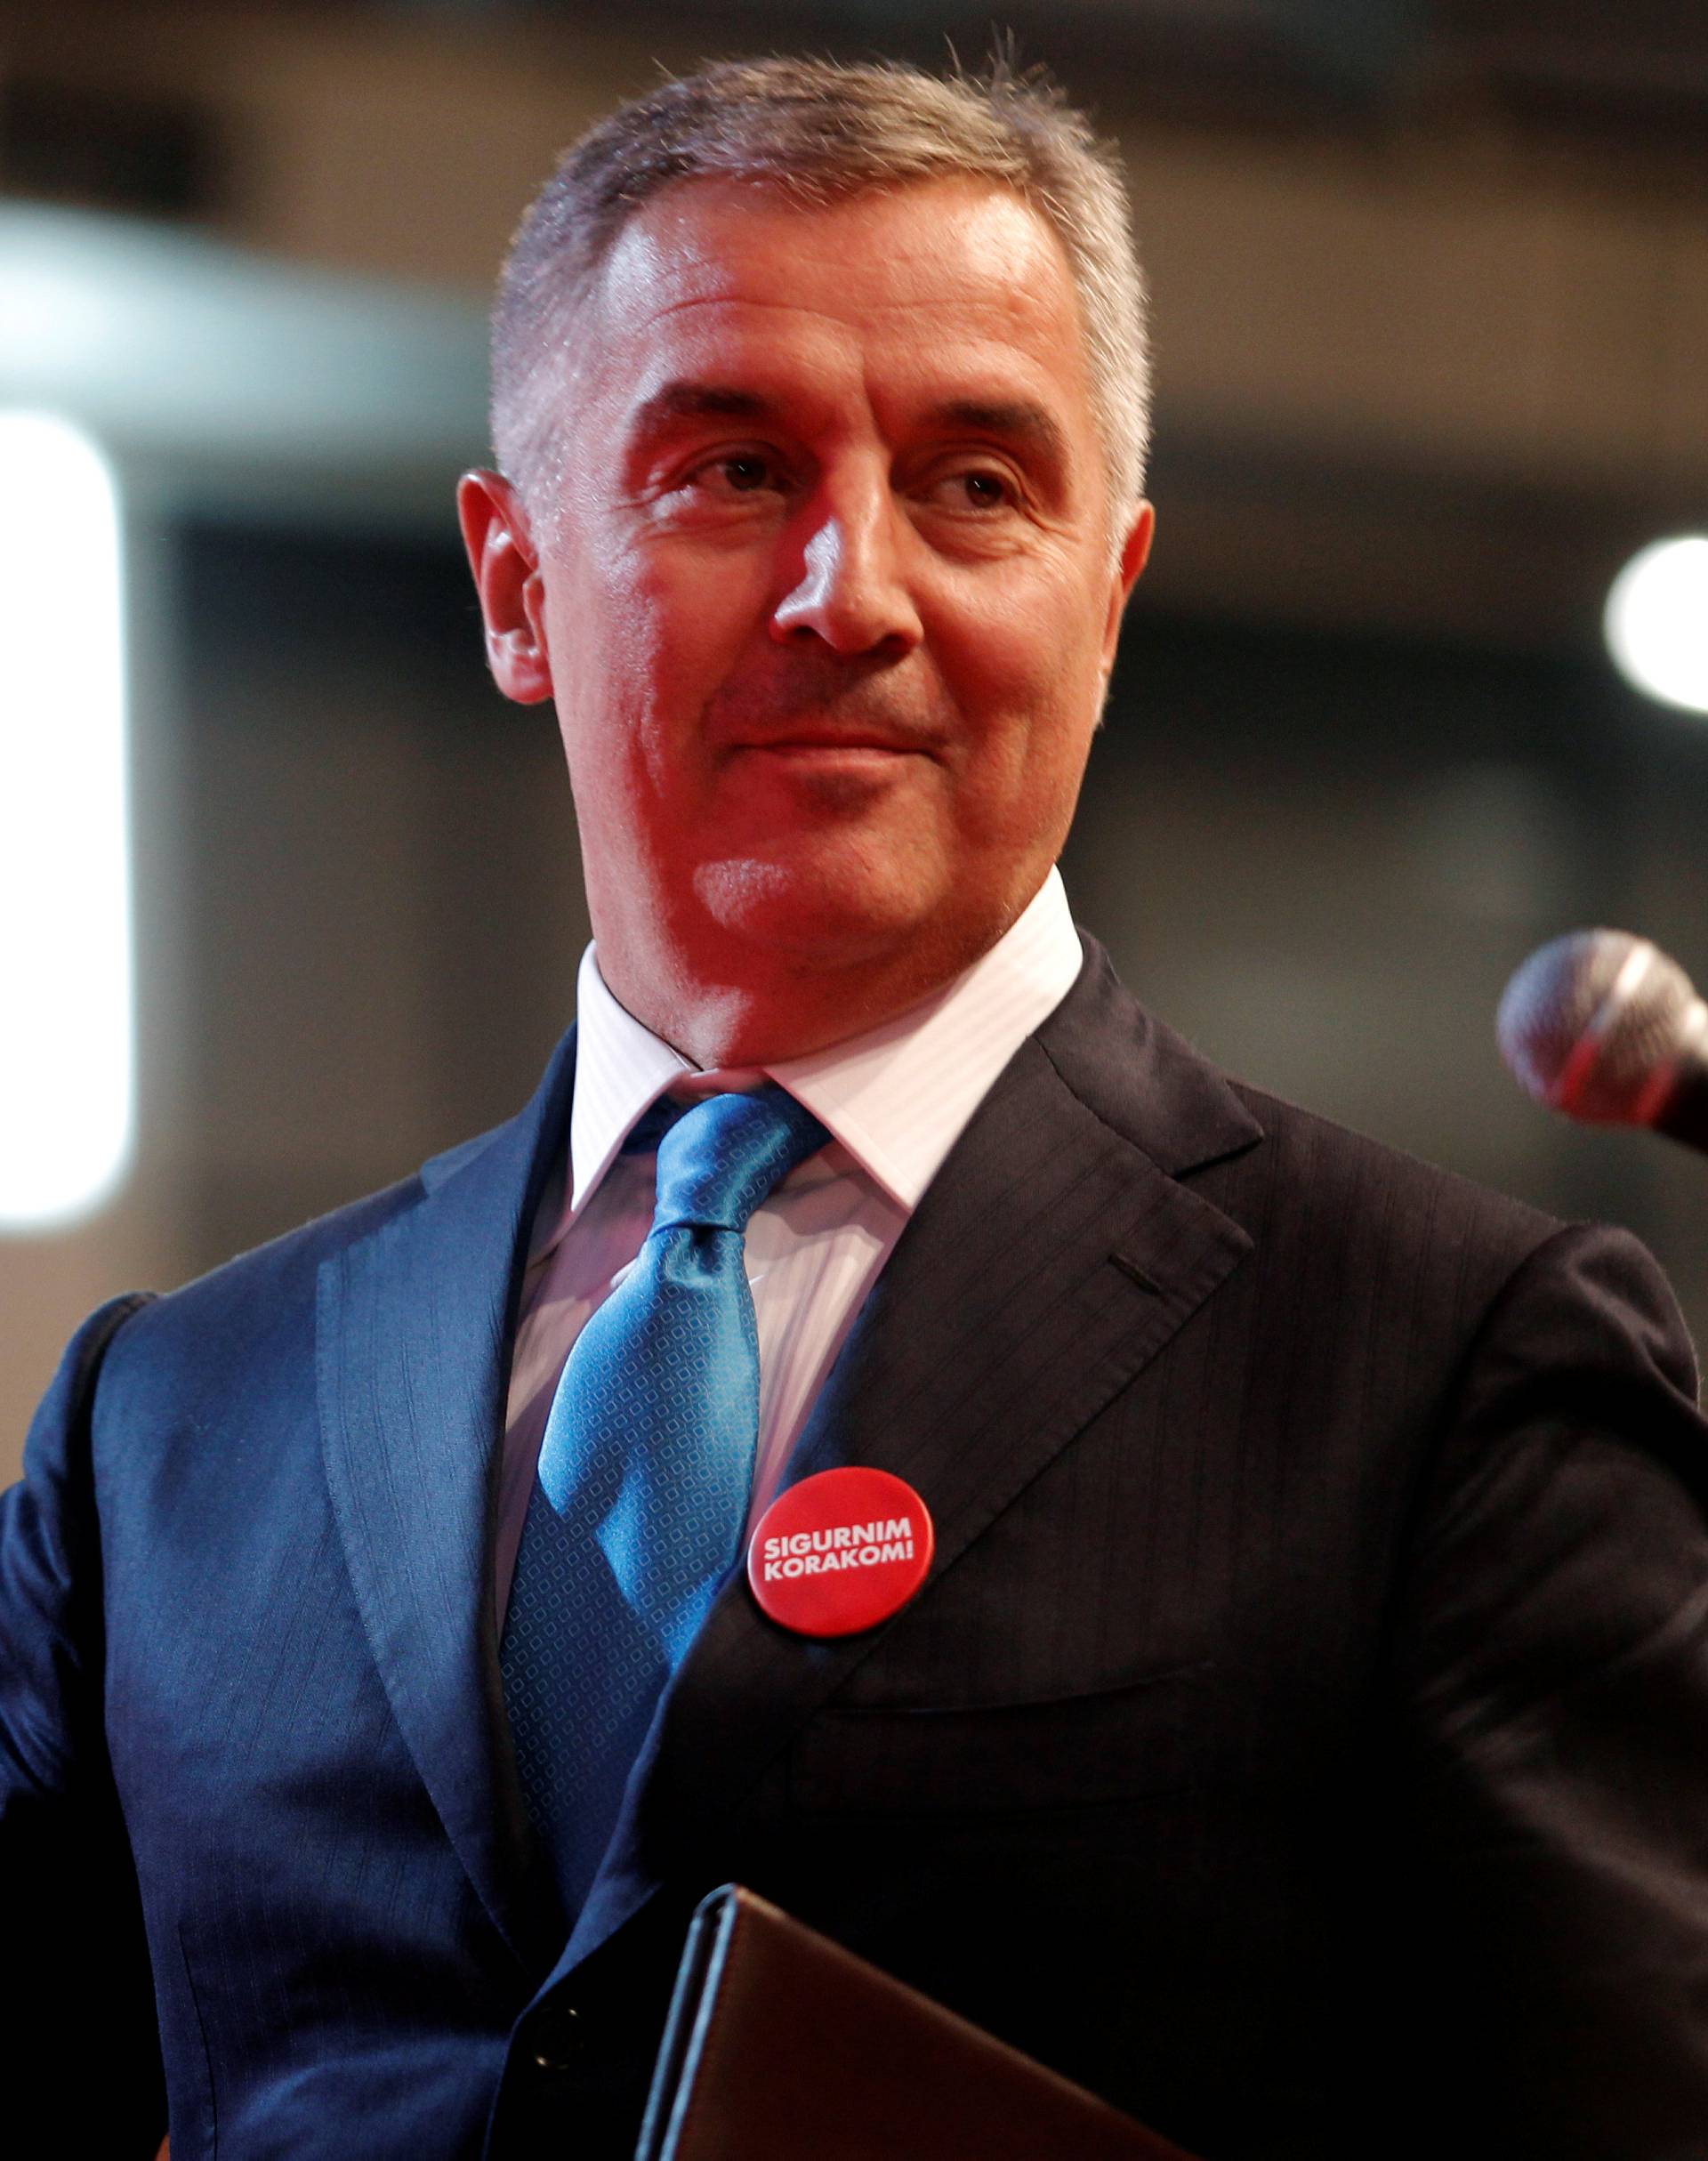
x=977, y=490
x=744, y=472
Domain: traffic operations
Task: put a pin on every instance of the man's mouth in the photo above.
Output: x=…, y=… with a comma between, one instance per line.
x=836, y=746
x=859, y=745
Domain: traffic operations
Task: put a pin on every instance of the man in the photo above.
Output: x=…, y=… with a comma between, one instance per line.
x=1300, y=1736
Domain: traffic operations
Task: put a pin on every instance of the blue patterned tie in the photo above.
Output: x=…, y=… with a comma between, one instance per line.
x=645, y=1474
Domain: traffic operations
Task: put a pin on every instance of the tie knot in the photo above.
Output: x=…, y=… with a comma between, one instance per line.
x=723, y=1157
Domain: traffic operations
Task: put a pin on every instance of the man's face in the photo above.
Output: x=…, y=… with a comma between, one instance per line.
x=826, y=590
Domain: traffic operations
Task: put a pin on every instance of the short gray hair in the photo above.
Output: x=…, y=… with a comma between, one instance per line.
x=819, y=129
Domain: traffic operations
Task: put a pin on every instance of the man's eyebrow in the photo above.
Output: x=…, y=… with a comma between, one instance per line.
x=1017, y=419
x=684, y=399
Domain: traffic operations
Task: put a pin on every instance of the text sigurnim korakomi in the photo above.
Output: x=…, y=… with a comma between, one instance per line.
x=840, y=1552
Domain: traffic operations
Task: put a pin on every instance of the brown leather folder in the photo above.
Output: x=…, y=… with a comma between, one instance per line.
x=782, y=2046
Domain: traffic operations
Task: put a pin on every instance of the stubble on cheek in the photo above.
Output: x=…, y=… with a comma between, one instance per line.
x=739, y=890
x=836, y=889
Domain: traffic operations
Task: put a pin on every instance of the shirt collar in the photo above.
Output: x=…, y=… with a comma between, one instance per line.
x=897, y=1098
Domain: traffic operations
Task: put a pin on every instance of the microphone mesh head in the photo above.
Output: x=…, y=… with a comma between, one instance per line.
x=1591, y=1021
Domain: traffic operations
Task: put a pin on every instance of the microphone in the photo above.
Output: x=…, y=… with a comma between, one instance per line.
x=1608, y=1028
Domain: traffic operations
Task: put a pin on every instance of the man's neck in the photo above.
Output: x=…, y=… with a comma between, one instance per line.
x=778, y=1009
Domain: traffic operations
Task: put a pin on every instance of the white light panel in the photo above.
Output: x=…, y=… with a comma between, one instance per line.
x=1656, y=621
x=67, y=1022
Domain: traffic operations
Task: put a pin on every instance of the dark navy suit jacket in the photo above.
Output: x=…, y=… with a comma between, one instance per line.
x=1303, y=1737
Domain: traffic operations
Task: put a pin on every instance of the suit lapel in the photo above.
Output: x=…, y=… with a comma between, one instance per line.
x=413, y=1335
x=1055, y=1255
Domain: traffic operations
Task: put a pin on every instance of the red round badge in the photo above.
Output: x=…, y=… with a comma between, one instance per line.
x=840, y=1552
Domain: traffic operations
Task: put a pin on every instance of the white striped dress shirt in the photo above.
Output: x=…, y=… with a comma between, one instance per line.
x=895, y=1101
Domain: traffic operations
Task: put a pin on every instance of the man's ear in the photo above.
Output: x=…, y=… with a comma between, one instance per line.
x=506, y=567
x=1135, y=553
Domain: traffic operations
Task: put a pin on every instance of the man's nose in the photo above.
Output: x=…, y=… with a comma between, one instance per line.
x=852, y=589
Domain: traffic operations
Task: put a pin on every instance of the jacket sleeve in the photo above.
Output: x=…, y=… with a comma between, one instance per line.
x=80, y=2040
x=1554, y=1663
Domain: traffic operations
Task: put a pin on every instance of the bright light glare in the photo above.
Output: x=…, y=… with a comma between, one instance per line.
x=1656, y=621
x=66, y=1025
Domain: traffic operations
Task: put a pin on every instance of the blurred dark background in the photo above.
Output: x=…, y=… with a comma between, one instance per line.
x=1431, y=302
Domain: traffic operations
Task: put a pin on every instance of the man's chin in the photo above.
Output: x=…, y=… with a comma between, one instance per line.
x=827, y=912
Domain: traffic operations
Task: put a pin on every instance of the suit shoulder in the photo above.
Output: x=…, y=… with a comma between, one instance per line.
x=1298, y=1183
x=1314, y=1172
x=1351, y=1227
x=267, y=1290
x=295, y=1252
x=291, y=1261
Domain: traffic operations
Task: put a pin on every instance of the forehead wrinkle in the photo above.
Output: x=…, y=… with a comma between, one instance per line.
x=641, y=334
x=978, y=300
x=645, y=262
